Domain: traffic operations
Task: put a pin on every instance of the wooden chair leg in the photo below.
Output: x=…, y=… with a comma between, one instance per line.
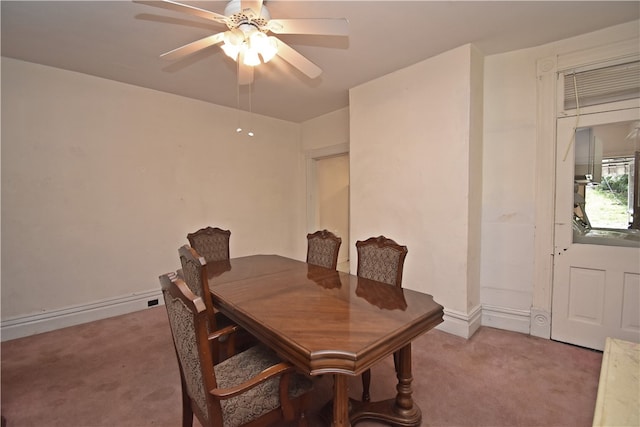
x=366, y=383
x=187, y=411
x=304, y=406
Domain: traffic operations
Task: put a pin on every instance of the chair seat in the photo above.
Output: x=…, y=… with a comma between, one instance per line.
x=261, y=399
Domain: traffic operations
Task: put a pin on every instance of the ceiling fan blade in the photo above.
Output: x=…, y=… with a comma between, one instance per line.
x=245, y=73
x=184, y=8
x=193, y=47
x=294, y=58
x=255, y=6
x=329, y=26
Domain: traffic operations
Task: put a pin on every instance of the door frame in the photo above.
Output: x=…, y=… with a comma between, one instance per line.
x=547, y=112
x=312, y=156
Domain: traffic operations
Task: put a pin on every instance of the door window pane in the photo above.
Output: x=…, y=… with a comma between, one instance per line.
x=606, y=161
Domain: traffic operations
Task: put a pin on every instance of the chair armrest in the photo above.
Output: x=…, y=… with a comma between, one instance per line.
x=227, y=330
x=165, y=280
x=270, y=372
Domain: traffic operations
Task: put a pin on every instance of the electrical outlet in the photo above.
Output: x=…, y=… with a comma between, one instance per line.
x=152, y=302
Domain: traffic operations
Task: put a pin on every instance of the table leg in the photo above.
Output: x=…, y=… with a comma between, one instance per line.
x=340, y=401
x=404, y=400
x=401, y=411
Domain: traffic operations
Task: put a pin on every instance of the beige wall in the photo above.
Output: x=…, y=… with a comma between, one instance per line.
x=101, y=182
x=508, y=211
x=415, y=142
x=327, y=130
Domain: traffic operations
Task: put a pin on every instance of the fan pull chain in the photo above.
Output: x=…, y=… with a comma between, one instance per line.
x=238, y=128
x=250, y=133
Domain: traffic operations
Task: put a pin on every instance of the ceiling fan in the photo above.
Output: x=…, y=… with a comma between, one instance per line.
x=246, y=39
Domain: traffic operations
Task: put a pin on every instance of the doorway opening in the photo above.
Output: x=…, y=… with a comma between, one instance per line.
x=328, y=196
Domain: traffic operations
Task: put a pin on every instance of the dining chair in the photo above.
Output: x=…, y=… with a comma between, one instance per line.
x=322, y=249
x=211, y=242
x=194, y=272
x=380, y=259
x=251, y=388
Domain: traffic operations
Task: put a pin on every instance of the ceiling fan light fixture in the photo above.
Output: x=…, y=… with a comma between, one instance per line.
x=256, y=39
x=251, y=58
x=267, y=47
x=233, y=43
x=231, y=51
x=235, y=36
x=250, y=42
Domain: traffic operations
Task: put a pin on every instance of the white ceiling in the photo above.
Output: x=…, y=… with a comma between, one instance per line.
x=121, y=40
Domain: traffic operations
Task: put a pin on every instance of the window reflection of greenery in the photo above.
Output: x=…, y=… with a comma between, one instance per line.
x=607, y=203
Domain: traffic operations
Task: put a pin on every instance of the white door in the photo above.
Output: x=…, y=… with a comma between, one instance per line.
x=596, y=283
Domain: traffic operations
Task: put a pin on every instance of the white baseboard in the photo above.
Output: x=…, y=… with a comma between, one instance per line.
x=455, y=322
x=540, y=323
x=506, y=318
x=465, y=325
x=461, y=324
x=32, y=324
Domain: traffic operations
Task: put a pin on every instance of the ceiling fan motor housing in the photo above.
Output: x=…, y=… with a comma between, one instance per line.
x=244, y=19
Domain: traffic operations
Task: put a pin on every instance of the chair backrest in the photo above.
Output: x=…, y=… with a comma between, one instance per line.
x=211, y=242
x=322, y=249
x=194, y=271
x=381, y=259
x=188, y=320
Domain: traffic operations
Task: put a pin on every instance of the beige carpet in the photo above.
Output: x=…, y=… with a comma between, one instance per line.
x=122, y=371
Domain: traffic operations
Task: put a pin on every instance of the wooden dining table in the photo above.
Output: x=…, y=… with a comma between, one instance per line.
x=328, y=322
